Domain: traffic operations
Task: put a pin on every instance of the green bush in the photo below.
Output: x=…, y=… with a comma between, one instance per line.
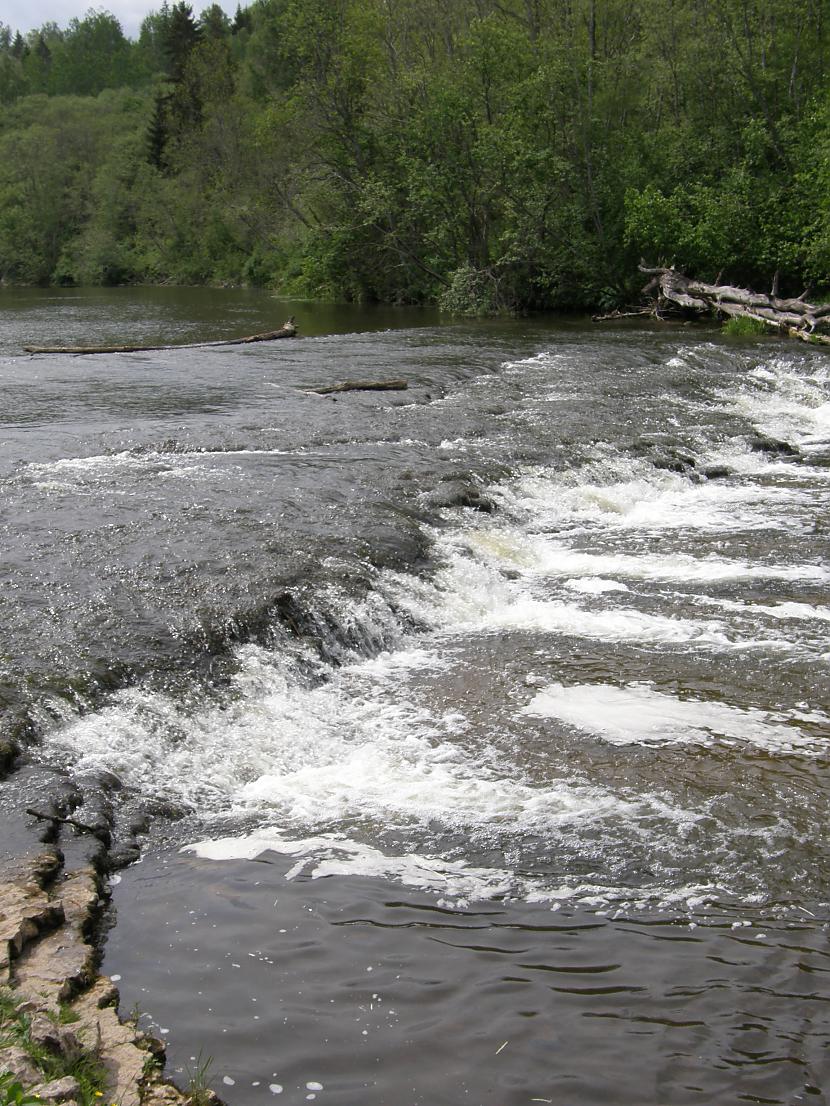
x=471, y=292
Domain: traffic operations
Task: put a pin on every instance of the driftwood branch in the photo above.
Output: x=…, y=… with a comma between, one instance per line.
x=287, y=330
x=362, y=386
x=795, y=317
x=612, y=316
x=101, y=832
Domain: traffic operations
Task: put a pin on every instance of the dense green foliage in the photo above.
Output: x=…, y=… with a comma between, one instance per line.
x=487, y=153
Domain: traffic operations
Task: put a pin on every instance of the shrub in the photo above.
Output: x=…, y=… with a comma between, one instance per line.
x=471, y=292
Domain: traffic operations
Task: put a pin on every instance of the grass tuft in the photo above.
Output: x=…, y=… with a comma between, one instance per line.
x=742, y=326
x=198, y=1089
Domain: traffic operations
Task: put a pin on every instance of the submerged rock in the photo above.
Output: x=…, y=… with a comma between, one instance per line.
x=459, y=493
x=762, y=443
x=674, y=461
x=667, y=457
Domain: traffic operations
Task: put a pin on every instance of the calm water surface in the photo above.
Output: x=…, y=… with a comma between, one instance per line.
x=492, y=715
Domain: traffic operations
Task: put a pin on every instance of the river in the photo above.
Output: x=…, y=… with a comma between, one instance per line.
x=484, y=725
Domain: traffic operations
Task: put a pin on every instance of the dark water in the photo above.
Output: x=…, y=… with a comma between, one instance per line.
x=381, y=996
x=512, y=687
x=162, y=316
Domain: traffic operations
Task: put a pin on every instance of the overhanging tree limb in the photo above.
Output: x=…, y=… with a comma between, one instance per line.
x=795, y=317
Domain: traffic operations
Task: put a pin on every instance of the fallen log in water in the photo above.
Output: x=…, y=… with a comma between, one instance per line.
x=287, y=330
x=795, y=317
x=362, y=386
x=612, y=316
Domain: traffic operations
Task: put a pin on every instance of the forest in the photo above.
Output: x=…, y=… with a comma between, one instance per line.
x=487, y=155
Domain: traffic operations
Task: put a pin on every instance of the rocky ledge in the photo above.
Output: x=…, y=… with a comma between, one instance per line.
x=61, y=1037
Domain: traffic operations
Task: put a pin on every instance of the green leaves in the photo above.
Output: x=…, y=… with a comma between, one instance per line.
x=512, y=154
x=12, y=1093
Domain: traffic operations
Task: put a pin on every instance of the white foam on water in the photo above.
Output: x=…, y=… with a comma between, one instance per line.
x=321, y=756
x=690, y=897
x=638, y=715
x=457, y=882
x=87, y=474
x=502, y=610
x=71, y=473
x=743, y=461
x=316, y=761
x=95, y=463
x=231, y=453
x=544, y=557
x=490, y=574
x=592, y=585
x=472, y=594
x=155, y=463
x=647, y=499
x=784, y=611
x=785, y=398
x=546, y=358
x=334, y=854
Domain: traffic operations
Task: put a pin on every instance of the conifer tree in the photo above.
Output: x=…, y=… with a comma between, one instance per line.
x=213, y=23
x=158, y=132
x=241, y=20
x=42, y=51
x=182, y=34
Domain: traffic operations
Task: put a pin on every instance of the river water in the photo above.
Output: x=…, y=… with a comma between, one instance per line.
x=489, y=719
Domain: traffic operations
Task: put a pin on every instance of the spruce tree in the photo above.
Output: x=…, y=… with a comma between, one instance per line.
x=213, y=23
x=157, y=133
x=43, y=52
x=182, y=34
x=241, y=20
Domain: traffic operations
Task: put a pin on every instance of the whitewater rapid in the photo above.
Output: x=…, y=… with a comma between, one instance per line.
x=609, y=607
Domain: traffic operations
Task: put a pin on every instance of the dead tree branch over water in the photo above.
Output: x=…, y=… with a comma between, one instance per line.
x=794, y=317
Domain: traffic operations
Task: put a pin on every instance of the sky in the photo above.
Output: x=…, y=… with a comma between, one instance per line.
x=23, y=15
